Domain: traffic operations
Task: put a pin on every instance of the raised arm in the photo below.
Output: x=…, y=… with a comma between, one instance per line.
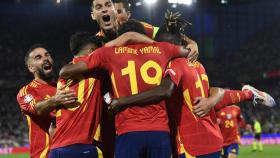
x=154, y=95
x=192, y=45
x=129, y=38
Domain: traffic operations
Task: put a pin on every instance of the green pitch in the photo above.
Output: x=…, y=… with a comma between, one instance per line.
x=15, y=156
x=270, y=151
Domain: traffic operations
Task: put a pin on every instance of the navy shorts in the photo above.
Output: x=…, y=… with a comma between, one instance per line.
x=76, y=151
x=211, y=155
x=143, y=144
x=232, y=148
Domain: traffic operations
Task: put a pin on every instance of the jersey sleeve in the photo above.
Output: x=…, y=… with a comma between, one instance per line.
x=170, y=50
x=96, y=59
x=173, y=72
x=27, y=99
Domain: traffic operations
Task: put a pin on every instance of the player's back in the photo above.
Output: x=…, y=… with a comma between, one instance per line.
x=38, y=126
x=199, y=135
x=228, y=118
x=134, y=69
x=80, y=122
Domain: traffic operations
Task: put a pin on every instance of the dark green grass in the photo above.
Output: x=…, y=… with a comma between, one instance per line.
x=270, y=151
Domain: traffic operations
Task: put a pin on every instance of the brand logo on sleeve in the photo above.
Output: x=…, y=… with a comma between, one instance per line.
x=28, y=98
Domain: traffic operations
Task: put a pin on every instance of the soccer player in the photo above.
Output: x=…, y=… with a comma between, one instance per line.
x=257, y=143
x=39, y=98
x=78, y=124
x=123, y=14
x=230, y=119
x=141, y=131
x=196, y=136
x=106, y=16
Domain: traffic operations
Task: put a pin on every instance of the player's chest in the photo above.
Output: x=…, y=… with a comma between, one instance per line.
x=45, y=92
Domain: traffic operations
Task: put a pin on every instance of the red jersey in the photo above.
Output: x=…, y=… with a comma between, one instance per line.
x=230, y=117
x=199, y=136
x=133, y=69
x=150, y=30
x=38, y=126
x=79, y=122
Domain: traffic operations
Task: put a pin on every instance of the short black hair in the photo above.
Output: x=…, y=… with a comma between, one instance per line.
x=165, y=36
x=131, y=25
x=125, y=4
x=31, y=49
x=80, y=39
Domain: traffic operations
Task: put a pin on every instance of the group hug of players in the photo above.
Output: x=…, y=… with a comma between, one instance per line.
x=151, y=80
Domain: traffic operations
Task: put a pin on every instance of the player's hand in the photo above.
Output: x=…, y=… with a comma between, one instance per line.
x=114, y=106
x=193, y=53
x=202, y=106
x=63, y=97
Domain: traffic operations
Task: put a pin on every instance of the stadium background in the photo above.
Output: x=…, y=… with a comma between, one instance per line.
x=238, y=44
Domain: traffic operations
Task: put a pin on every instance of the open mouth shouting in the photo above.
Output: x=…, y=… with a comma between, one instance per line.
x=47, y=67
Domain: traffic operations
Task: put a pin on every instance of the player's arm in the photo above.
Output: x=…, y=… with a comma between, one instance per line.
x=192, y=45
x=154, y=95
x=29, y=103
x=87, y=64
x=73, y=71
x=62, y=97
x=202, y=106
x=129, y=38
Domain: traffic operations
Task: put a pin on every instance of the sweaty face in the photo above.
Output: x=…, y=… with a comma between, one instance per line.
x=40, y=63
x=104, y=13
x=122, y=14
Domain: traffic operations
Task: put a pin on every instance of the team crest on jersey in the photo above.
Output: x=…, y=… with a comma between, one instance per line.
x=229, y=116
x=28, y=98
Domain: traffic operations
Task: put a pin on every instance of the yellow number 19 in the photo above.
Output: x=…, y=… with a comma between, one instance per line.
x=130, y=70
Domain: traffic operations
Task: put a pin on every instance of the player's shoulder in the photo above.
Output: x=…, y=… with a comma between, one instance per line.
x=163, y=44
x=28, y=88
x=198, y=64
x=178, y=62
x=235, y=107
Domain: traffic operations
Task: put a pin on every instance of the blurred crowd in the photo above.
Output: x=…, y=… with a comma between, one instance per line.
x=246, y=65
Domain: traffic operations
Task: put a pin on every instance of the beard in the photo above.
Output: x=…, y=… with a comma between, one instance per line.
x=50, y=77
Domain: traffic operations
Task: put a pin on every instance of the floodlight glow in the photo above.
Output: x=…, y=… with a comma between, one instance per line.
x=58, y=1
x=138, y=3
x=224, y=1
x=186, y=2
x=150, y=1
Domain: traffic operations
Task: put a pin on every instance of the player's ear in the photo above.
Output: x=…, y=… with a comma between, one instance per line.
x=92, y=16
x=31, y=68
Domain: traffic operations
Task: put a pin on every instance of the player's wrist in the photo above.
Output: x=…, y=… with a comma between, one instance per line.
x=53, y=101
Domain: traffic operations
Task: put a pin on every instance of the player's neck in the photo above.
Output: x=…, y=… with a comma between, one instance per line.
x=51, y=81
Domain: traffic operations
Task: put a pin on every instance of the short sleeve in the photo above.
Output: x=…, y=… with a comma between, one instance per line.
x=26, y=100
x=170, y=50
x=96, y=59
x=173, y=72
